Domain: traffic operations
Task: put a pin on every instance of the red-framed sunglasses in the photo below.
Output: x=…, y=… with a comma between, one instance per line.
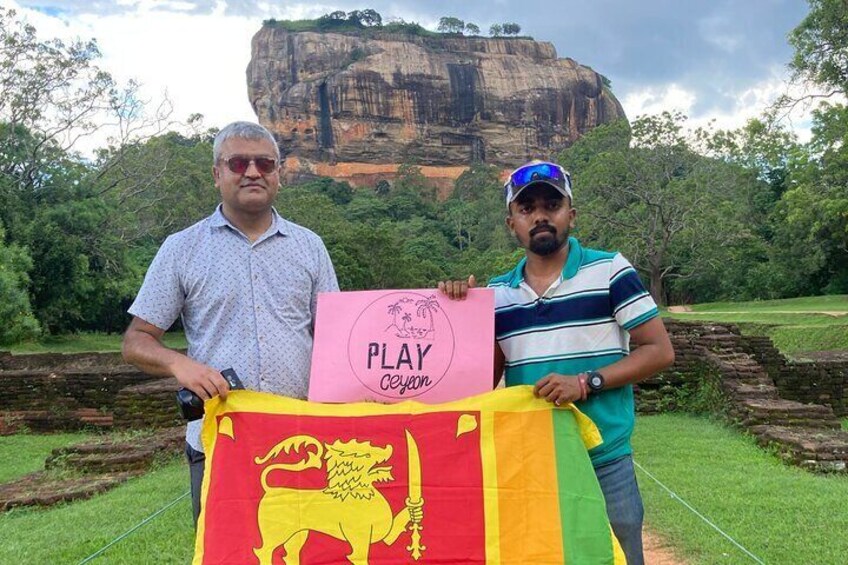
x=240, y=163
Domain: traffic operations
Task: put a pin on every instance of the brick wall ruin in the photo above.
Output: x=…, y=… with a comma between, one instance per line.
x=792, y=405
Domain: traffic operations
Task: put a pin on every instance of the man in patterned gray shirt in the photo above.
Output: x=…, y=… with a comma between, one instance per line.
x=245, y=282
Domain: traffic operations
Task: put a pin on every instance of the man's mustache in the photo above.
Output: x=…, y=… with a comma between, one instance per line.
x=542, y=228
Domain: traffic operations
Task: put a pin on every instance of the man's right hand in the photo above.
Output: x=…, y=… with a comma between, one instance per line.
x=560, y=389
x=457, y=290
x=143, y=348
x=202, y=380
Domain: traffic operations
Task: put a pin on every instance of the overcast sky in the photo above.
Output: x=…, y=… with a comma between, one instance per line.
x=712, y=59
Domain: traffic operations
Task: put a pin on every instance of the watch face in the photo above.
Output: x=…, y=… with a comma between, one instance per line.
x=596, y=382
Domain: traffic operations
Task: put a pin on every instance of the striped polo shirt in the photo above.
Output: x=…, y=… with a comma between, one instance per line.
x=579, y=324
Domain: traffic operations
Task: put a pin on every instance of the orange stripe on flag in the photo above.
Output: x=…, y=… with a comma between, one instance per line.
x=528, y=502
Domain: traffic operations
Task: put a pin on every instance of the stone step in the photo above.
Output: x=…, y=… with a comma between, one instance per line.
x=138, y=460
x=739, y=390
x=812, y=448
x=756, y=412
x=102, y=464
x=39, y=489
x=94, y=417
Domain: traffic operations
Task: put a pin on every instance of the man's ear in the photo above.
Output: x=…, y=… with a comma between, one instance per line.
x=573, y=217
x=509, y=224
x=216, y=174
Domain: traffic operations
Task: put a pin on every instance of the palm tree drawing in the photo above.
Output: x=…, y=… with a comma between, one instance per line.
x=426, y=309
x=396, y=309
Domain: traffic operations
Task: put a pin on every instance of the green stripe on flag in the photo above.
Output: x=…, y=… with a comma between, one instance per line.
x=586, y=536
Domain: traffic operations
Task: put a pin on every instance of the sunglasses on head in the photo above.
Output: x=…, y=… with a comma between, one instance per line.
x=240, y=163
x=537, y=172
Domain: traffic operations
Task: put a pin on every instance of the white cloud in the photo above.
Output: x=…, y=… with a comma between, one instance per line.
x=199, y=59
x=653, y=100
x=750, y=103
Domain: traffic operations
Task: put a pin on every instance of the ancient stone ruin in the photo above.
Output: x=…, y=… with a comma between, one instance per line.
x=355, y=106
x=791, y=406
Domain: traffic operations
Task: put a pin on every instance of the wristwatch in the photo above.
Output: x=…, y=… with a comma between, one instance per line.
x=595, y=381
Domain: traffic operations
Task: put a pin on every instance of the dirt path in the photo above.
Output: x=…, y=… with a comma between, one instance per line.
x=658, y=551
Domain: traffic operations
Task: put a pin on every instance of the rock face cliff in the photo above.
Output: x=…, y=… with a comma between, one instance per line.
x=354, y=105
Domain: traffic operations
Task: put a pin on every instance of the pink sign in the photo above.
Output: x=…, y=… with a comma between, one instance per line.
x=394, y=345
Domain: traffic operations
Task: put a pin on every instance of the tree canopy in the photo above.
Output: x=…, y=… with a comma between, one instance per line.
x=702, y=214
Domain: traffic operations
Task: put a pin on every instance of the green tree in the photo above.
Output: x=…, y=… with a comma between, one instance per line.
x=449, y=24
x=663, y=205
x=813, y=213
x=157, y=186
x=80, y=267
x=821, y=46
x=411, y=195
x=371, y=18
x=496, y=30
x=15, y=311
x=472, y=29
x=56, y=92
x=511, y=28
x=476, y=209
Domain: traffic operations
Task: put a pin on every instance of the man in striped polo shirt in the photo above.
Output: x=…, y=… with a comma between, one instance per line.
x=564, y=319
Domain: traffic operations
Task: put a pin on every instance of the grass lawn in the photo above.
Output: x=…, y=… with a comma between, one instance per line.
x=25, y=453
x=781, y=514
x=86, y=342
x=71, y=532
x=795, y=325
x=830, y=303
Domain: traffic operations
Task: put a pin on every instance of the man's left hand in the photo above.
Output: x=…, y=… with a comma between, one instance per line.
x=457, y=290
x=560, y=389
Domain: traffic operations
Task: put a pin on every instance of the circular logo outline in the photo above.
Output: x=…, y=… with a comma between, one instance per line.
x=380, y=392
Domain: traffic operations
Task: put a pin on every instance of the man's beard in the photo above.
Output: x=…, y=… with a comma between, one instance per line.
x=548, y=245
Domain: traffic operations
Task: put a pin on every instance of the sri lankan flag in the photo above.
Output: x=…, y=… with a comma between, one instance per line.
x=498, y=478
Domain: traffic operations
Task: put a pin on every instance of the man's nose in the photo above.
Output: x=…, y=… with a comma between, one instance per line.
x=540, y=216
x=252, y=170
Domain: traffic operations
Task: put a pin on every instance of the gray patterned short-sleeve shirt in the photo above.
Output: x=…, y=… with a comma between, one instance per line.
x=249, y=306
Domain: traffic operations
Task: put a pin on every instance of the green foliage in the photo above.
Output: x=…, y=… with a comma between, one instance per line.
x=511, y=28
x=671, y=211
x=18, y=321
x=449, y=24
x=820, y=44
x=746, y=491
x=358, y=21
x=496, y=30
x=400, y=235
x=703, y=396
x=472, y=28
x=813, y=213
x=709, y=215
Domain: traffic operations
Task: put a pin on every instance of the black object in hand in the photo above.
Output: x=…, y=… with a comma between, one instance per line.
x=191, y=405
